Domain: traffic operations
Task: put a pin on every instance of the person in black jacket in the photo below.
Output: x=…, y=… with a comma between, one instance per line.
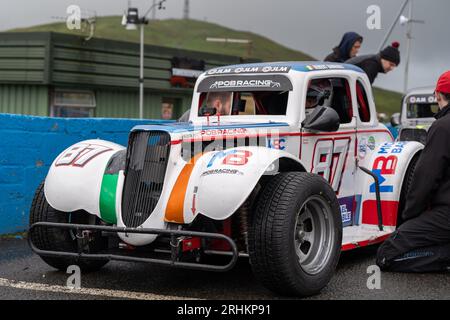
x=385, y=61
x=422, y=242
x=347, y=48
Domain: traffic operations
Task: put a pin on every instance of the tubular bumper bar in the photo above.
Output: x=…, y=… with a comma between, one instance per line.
x=174, y=234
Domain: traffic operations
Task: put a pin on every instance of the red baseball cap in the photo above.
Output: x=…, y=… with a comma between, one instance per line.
x=443, y=84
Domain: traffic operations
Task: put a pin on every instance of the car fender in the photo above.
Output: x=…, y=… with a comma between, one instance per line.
x=221, y=181
x=389, y=162
x=74, y=181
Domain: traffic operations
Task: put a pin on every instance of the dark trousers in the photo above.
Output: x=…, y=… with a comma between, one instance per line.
x=421, y=244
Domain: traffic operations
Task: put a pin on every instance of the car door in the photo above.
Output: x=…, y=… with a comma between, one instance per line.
x=332, y=154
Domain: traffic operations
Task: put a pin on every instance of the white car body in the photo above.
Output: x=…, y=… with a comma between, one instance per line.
x=215, y=184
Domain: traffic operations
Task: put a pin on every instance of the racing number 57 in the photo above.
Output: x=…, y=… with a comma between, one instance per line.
x=329, y=158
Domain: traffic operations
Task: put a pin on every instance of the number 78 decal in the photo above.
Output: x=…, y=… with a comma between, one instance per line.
x=329, y=159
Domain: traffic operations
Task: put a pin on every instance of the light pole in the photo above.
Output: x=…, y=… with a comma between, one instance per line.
x=408, y=22
x=403, y=21
x=131, y=21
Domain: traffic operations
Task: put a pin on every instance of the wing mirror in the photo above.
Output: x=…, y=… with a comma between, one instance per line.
x=395, y=119
x=322, y=119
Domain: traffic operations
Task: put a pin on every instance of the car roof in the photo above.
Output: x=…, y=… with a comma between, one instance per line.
x=300, y=66
x=429, y=90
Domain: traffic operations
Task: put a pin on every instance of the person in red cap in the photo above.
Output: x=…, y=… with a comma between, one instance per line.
x=422, y=242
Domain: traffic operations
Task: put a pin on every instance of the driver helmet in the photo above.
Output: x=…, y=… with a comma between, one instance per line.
x=319, y=93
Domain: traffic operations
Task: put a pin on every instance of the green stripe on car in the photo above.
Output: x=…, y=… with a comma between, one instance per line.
x=108, y=198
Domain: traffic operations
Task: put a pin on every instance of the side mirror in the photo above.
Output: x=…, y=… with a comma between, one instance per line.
x=322, y=119
x=395, y=119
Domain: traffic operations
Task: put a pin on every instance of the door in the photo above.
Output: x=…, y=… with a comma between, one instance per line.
x=332, y=154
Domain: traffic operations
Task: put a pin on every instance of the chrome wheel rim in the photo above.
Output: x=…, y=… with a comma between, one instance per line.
x=314, y=234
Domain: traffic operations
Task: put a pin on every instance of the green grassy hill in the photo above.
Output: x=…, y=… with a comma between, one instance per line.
x=192, y=34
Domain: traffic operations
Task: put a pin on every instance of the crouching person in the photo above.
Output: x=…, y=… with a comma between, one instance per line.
x=422, y=242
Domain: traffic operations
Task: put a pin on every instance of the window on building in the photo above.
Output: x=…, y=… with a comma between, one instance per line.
x=73, y=104
x=171, y=108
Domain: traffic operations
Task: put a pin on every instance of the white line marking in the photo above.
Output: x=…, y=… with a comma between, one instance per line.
x=85, y=291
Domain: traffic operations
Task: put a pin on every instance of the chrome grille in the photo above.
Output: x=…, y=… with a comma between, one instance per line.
x=147, y=157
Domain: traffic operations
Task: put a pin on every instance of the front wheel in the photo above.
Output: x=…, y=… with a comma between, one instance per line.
x=55, y=239
x=295, y=234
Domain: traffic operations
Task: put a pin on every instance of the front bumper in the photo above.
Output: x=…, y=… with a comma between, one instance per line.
x=173, y=261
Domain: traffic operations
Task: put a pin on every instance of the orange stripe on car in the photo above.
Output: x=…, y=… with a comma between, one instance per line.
x=175, y=205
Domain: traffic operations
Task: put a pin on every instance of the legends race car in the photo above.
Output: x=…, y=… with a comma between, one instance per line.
x=281, y=163
x=419, y=106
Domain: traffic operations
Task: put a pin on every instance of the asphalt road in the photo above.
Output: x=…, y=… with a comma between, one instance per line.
x=24, y=275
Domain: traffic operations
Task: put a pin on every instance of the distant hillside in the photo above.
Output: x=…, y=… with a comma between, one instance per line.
x=192, y=34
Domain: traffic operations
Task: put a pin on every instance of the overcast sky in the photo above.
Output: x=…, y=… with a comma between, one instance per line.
x=313, y=27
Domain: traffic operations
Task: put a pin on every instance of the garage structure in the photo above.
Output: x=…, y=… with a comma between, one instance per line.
x=54, y=74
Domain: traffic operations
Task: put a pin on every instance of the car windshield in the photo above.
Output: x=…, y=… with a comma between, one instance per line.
x=241, y=103
x=422, y=110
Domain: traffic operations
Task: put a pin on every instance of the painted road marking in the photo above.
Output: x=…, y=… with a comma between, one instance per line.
x=86, y=291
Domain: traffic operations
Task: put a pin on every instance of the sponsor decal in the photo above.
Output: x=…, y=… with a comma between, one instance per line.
x=392, y=148
x=346, y=214
x=384, y=166
x=422, y=99
x=245, y=84
x=371, y=143
x=362, y=148
x=232, y=157
x=223, y=132
x=324, y=67
x=278, y=144
x=242, y=83
x=251, y=69
x=222, y=171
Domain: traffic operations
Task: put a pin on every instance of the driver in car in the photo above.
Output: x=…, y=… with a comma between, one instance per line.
x=319, y=93
x=220, y=101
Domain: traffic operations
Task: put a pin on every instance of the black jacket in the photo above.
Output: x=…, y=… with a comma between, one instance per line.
x=371, y=64
x=431, y=180
x=335, y=56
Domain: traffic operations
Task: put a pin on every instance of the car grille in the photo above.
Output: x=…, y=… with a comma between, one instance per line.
x=147, y=157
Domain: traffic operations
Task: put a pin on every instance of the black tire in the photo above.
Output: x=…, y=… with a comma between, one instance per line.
x=273, y=234
x=406, y=186
x=61, y=240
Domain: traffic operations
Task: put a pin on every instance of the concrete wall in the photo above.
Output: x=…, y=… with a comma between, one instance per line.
x=28, y=146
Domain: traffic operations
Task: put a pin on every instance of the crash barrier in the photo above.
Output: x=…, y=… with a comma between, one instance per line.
x=28, y=147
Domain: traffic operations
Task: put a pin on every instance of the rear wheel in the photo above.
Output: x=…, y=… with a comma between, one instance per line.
x=406, y=186
x=295, y=234
x=63, y=240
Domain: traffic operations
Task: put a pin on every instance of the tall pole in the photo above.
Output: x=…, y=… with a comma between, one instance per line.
x=408, y=46
x=186, y=10
x=393, y=25
x=141, y=76
x=154, y=11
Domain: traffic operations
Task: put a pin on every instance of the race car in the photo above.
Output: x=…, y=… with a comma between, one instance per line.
x=419, y=106
x=284, y=164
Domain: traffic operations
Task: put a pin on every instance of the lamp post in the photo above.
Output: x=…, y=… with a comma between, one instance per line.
x=131, y=21
x=408, y=22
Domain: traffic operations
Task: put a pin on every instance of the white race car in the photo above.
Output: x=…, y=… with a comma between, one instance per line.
x=419, y=106
x=282, y=163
